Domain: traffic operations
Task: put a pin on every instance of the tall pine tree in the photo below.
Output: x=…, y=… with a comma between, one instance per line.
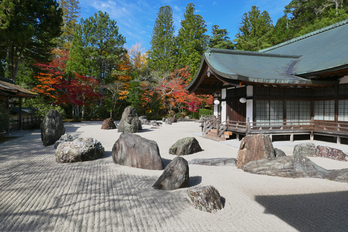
x=70, y=14
x=161, y=56
x=252, y=33
x=219, y=38
x=192, y=40
x=28, y=36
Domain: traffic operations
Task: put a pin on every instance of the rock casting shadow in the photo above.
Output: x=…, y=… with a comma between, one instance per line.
x=165, y=162
x=195, y=180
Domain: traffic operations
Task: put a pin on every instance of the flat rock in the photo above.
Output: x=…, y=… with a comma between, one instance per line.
x=185, y=146
x=296, y=166
x=81, y=149
x=64, y=138
x=214, y=162
x=205, y=198
x=108, y=124
x=305, y=149
x=135, y=151
x=254, y=147
x=130, y=122
x=174, y=176
x=331, y=153
x=52, y=128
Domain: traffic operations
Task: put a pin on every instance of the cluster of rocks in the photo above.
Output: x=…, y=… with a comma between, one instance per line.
x=68, y=148
x=310, y=150
x=257, y=155
x=134, y=151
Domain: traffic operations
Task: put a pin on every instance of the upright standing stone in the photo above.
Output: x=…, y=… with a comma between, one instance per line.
x=134, y=151
x=52, y=128
x=174, y=176
x=254, y=147
x=130, y=122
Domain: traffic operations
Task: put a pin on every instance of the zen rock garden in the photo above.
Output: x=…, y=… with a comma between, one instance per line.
x=256, y=155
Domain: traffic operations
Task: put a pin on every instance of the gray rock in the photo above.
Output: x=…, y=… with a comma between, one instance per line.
x=294, y=167
x=254, y=147
x=185, y=146
x=305, y=149
x=168, y=121
x=52, y=128
x=214, y=162
x=108, y=124
x=205, y=198
x=144, y=120
x=130, y=122
x=81, y=149
x=331, y=153
x=64, y=138
x=154, y=123
x=279, y=153
x=134, y=151
x=174, y=176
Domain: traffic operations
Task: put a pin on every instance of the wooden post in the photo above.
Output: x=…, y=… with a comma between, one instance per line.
x=217, y=128
x=312, y=136
x=20, y=114
x=338, y=140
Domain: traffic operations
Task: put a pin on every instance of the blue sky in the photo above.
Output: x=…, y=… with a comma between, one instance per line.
x=136, y=18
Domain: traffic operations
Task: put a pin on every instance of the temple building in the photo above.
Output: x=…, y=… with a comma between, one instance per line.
x=297, y=87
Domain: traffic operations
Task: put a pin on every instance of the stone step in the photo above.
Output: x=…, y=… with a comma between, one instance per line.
x=213, y=136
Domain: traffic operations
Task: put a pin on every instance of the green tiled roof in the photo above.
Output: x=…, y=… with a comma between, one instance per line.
x=321, y=50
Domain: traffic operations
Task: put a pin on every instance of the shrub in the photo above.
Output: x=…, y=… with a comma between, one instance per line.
x=205, y=112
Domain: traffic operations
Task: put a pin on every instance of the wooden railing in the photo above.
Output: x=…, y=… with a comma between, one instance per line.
x=337, y=129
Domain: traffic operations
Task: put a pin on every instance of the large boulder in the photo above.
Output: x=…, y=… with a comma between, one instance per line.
x=108, y=124
x=81, y=149
x=134, y=151
x=254, y=147
x=174, y=176
x=305, y=149
x=52, y=128
x=331, y=153
x=205, y=198
x=185, y=146
x=64, y=138
x=130, y=122
x=278, y=152
x=296, y=166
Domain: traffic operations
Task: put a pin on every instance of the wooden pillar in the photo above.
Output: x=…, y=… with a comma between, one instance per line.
x=20, y=114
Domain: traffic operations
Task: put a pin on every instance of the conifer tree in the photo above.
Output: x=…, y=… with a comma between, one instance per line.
x=219, y=38
x=252, y=34
x=28, y=35
x=192, y=40
x=161, y=56
x=70, y=14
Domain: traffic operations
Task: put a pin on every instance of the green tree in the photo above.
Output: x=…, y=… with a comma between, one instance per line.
x=6, y=9
x=219, y=38
x=96, y=47
x=252, y=32
x=161, y=56
x=192, y=40
x=31, y=27
x=70, y=14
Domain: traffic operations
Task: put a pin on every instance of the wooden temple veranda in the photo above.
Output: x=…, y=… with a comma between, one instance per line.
x=299, y=87
x=11, y=96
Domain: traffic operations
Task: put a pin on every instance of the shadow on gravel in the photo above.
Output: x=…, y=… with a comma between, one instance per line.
x=195, y=180
x=309, y=212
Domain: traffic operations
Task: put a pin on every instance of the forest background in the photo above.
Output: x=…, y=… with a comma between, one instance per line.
x=82, y=68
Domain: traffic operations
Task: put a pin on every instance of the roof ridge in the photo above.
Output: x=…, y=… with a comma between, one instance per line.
x=333, y=26
x=250, y=53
